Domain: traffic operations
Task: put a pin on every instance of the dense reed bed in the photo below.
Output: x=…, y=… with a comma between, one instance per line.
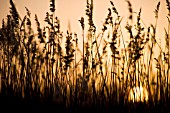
x=109, y=73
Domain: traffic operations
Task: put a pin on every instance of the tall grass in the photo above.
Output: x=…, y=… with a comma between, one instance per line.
x=35, y=65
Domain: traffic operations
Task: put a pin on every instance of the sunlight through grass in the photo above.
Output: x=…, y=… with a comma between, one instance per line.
x=138, y=94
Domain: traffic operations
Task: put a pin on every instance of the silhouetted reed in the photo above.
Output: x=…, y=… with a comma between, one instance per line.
x=106, y=74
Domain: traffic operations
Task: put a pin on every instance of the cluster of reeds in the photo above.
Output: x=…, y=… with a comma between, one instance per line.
x=36, y=65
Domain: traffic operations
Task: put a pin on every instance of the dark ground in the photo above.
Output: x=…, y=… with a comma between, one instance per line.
x=10, y=103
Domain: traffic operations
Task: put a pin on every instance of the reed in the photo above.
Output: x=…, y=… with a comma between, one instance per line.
x=103, y=75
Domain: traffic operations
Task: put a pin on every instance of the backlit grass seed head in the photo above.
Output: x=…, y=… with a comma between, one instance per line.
x=157, y=10
x=28, y=12
x=14, y=13
x=168, y=6
x=52, y=5
x=114, y=8
x=130, y=9
x=82, y=22
x=40, y=34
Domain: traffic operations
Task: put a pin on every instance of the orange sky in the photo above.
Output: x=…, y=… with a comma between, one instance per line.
x=73, y=10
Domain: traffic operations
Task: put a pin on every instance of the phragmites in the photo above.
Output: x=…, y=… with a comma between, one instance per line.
x=82, y=22
x=168, y=6
x=130, y=9
x=14, y=13
x=89, y=13
x=157, y=10
x=69, y=57
x=52, y=5
x=40, y=34
x=108, y=69
x=28, y=11
x=114, y=8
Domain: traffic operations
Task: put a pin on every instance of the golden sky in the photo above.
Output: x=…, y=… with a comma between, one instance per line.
x=72, y=10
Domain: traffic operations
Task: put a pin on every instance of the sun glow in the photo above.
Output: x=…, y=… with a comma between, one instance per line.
x=138, y=94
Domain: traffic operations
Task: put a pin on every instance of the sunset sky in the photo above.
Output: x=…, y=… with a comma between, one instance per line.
x=72, y=10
